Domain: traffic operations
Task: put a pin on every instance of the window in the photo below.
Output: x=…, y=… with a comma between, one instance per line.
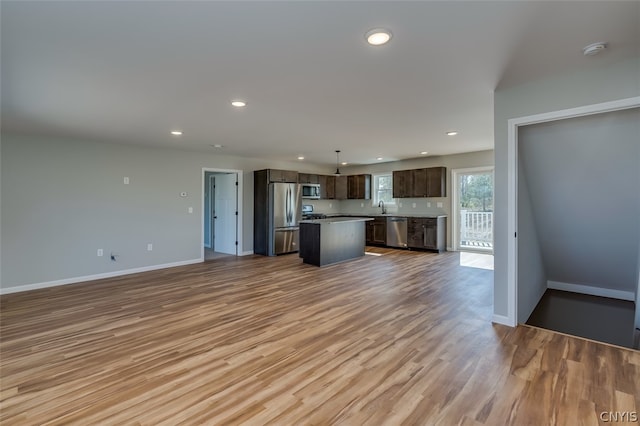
x=383, y=189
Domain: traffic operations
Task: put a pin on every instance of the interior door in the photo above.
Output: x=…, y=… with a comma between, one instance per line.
x=225, y=218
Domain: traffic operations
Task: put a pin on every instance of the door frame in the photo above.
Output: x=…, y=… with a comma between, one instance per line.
x=210, y=205
x=239, y=216
x=455, y=173
x=512, y=187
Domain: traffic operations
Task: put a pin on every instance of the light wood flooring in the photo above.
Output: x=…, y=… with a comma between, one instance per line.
x=402, y=338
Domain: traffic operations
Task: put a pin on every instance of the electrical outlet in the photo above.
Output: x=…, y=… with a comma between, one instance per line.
x=330, y=205
x=190, y=210
x=100, y=252
x=361, y=204
x=413, y=205
x=439, y=205
x=428, y=203
x=149, y=247
x=126, y=180
x=399, y=204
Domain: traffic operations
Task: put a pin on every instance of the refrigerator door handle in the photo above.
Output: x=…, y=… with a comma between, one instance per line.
x=288, y=206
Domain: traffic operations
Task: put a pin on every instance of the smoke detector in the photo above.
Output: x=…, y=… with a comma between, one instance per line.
x=594, y=48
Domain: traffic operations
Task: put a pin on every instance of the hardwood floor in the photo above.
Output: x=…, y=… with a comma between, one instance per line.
x=401, y=338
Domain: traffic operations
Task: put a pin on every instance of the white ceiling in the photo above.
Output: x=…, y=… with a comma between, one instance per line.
x=129, y=72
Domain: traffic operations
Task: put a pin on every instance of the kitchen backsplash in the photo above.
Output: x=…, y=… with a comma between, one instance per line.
x=427, y=206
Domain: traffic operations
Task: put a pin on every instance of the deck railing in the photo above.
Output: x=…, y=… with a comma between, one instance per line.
x=476, y=228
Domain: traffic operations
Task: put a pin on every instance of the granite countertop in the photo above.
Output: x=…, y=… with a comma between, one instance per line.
x=427, y=216
x=338, y=219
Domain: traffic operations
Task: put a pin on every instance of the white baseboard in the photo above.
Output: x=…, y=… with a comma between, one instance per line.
x=502, y=319
x=47, y=284
x=592, y=291
x=246, y=253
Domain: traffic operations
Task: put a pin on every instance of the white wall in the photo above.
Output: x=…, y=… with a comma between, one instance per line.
x=583, y=175
x=64, y=199
x=591, y=86
x=532, y=278
x=638, y=294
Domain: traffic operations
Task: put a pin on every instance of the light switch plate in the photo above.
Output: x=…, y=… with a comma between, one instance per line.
x=149, y=247
x=126, y=180
x=100, y=253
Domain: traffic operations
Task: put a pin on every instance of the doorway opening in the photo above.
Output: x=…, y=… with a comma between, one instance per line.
x=513, y=247
x=221, y=230
x=473, y=209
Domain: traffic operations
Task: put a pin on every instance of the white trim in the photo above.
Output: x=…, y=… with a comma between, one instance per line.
x=74, y=280
x=246, y=253
x=501, y=319
x=593, y=291
x=512, y=181
x=239, y=174
x=454, y=199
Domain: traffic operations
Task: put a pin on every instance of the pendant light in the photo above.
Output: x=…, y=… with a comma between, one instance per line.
x=337, y=162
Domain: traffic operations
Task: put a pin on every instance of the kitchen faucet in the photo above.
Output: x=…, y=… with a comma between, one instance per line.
x=381, y=204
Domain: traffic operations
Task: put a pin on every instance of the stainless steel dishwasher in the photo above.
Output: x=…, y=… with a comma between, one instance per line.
x=397, y=231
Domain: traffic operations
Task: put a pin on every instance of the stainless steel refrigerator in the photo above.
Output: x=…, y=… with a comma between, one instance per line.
x=285, y=207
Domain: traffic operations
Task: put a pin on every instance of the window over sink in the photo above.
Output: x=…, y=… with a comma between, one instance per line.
x=383, y=189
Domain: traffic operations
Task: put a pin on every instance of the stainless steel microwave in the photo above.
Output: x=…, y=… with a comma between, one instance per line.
x=311, y=190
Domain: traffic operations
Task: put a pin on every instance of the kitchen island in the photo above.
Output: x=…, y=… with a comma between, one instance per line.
x=332, y=240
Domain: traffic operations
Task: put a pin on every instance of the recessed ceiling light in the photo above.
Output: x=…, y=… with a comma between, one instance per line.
x=301, y=158
x=423, y=153
x=378, y=36
x=176, y=133
x=379, y=158
x=217, y=146
x=594, y=48
x=238, y=103
x=452, y=133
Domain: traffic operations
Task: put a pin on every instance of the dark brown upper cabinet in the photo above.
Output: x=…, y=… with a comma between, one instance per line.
x=288, y=176
x=402, y=183
x=308, y=178
x=327, y=187
x=416, y=183
x=359, y=187
x=342, y=190
x=419, y=180
x=437, y=182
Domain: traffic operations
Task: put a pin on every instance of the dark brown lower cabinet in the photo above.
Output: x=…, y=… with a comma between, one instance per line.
x=427, y=233
x=377, y=231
